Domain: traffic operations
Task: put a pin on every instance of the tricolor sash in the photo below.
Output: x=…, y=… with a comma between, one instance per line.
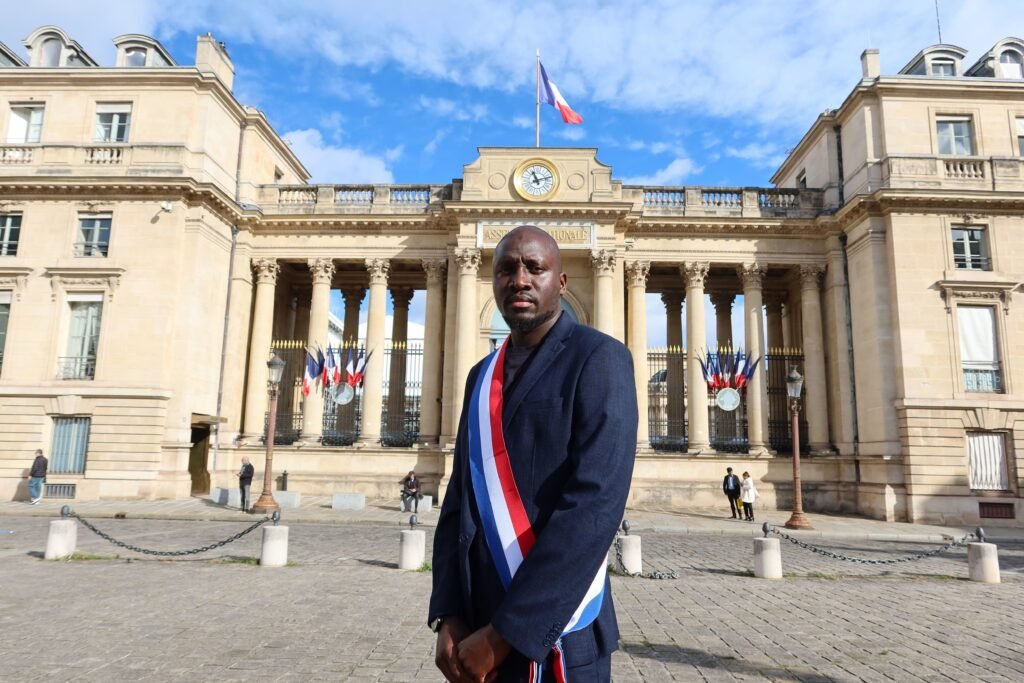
x=503, y=517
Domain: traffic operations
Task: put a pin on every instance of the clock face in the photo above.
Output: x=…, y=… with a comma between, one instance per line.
x=535, y=180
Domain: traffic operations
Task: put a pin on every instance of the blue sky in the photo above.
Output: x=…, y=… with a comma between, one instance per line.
x=671, y=92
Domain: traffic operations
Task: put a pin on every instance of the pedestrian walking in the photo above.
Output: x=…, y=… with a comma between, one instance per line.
x=245, y=482
x=37, y=477
x=731, y=488
x=750, y=494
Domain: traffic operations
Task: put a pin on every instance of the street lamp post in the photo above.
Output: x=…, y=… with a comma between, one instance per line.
x=794, y=383
x=266, y=504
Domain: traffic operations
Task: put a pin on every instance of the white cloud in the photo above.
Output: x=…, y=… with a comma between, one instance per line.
x=523, y=122
x=764, y=155
x=432, y=146
x=573, y=133
x=449, y=109
x=673, y=174
x=394, y=154
x=328, y=163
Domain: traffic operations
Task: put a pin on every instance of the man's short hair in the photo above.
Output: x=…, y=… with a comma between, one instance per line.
x=729, y=470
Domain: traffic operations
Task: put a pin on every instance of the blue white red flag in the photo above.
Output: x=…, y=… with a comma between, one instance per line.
x=322, y=362
x=311, y=374
x=330, y=368
x=549, y=93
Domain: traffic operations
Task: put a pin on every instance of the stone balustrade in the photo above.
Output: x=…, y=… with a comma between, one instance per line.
x=961, y=172
x=725, y=201
x=352, y=198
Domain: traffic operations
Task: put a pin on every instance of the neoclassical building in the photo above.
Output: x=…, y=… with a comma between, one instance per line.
x=159, y=242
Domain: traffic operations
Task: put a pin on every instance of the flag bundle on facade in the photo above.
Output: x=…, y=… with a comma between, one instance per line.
x=355, y=368
x=312, y=372
x=725, y=370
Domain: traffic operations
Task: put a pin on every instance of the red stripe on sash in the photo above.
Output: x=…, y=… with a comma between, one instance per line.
x=520, y=522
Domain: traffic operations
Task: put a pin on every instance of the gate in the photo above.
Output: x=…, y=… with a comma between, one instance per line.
x=666, y=399
x=400, y=419
x=289, y=396
x=777, y=365
x=341, y=422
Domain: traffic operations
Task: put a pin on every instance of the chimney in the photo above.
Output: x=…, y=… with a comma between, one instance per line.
x=870, y=63
x=212, y=57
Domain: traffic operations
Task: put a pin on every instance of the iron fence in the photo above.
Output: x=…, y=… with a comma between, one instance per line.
x=400, y=418
x=727, y=429
x=289, y=397
x=777, y=365
x=666, y=392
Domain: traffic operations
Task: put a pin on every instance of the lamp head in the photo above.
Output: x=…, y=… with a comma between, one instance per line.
x=276, y=367
x=794, y=383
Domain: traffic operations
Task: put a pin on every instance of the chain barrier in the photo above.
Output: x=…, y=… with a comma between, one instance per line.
x=769, y=529
x=66, y=513
x=670, y=574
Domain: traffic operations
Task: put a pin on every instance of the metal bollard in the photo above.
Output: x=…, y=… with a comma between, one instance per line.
x=983, y=562
x=274, y=550
x=767, y=558
x=62, y=540
x=412, y=549
x=632, y=556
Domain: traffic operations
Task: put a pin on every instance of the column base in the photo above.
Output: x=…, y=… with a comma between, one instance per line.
x=250, y=440
x=760, y=451
x=369, y=442
x=701, y=449
x=821, y=449
x=311, y=440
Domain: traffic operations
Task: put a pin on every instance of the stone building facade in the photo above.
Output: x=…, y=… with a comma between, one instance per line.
x=159, y=241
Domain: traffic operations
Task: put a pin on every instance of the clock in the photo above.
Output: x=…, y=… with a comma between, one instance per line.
x=535, y=180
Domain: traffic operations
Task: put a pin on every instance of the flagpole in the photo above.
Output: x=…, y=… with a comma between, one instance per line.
x=538, y=97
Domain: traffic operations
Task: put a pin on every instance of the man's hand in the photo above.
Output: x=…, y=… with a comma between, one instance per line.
x=453, y=631
x=482, y=653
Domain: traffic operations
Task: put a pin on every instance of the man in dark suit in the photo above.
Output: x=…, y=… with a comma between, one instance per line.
x=731, y=489
x=569, y=420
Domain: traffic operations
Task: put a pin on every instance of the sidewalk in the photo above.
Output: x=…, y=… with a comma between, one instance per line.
x=317, y=510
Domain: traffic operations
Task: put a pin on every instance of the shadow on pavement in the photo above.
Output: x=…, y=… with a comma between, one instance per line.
x=704, y=660
x=378, y=563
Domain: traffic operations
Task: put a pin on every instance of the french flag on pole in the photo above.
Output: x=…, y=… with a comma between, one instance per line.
x=311, y=374
x=549, y=93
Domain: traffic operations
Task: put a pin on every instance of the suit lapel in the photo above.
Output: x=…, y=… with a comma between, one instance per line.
x=537, y=368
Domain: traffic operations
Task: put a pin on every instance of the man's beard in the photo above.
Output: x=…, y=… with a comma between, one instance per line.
x=529, y=324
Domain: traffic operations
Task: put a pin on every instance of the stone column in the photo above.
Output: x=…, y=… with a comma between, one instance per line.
x=603, y=263
x=467, y=327
x=433, y=347
x=773, y=307
x=674, y=384
x=816, y=403
x=289, y=325
x=400, y=297
x=373, y=381
x=303, y=297
x=636, y=274
x=722, y=301
x=322, y=270
x=752, y=275
x=266, y=272
x=353, y=301
x=695, y=274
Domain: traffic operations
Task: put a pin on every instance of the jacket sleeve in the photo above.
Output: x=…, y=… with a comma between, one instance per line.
x=446, y=596
x=572, y=546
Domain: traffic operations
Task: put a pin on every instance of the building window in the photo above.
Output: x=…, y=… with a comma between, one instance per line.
x=801, y=180
x=943, y=67
x=93, y=235
x=5, y=315
x=1011, y=65
x=84, y=337
x=50, y=52
x=112, y=122
x=986, y=464
x=979, y=354
x=135, y=56
x=970, y=249
x=278, y=176
x=1020, y=136
x=26, y=124
x=10, y=231
x=70, y=445
x=955, y=135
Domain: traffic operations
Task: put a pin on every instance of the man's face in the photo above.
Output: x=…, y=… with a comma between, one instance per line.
x=528, y=282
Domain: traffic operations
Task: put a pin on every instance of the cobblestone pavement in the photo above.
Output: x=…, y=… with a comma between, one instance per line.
x=343, y=612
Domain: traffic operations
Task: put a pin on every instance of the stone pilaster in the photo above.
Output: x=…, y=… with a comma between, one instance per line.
x=816, y=403
x=467, y=327
x=636, y=278
x=603, y=263
x=265, y=272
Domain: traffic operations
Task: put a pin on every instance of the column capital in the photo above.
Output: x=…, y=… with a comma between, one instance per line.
x=468, y=260
x=322, y=270
x=752, y=275
x=673, y=299
x=354, y=295
x=774, y=299
x=378, y=268
x=810, y=276
x=722, y=301
x=266, y=270
x=435, y=269
x=401, y=296
x=695, y=273
x=637, y=272
x=603, y=261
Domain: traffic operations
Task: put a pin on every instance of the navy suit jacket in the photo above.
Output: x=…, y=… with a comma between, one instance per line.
x=570, y=421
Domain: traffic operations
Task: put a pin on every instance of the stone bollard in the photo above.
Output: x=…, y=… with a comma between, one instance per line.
x=982, y=562
x=767, y=558
x=632, y=559
x=412, y=549
x=274, y=552
x=62, y=540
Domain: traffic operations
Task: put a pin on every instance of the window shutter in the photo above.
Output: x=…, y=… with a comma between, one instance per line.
x=977, y=334
x=17, y=129
x=987, y=462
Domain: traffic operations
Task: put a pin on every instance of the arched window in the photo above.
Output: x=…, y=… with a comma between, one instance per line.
x=135, y=56
x=1011, y=64
x=50, y=52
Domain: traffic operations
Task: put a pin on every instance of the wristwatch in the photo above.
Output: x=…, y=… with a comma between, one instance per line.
x=435, y=625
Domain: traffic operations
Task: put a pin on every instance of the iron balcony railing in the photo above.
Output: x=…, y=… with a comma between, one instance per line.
x=76, y=367
x=97, y=249
x=972, y=262
x=983, y=377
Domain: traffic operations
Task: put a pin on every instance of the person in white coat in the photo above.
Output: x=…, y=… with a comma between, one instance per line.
x=749, y=495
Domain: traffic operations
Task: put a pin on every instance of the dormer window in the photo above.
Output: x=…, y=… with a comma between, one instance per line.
x=943, y=67
x=51, y=52
x=1011, y=64
x=135, y=56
